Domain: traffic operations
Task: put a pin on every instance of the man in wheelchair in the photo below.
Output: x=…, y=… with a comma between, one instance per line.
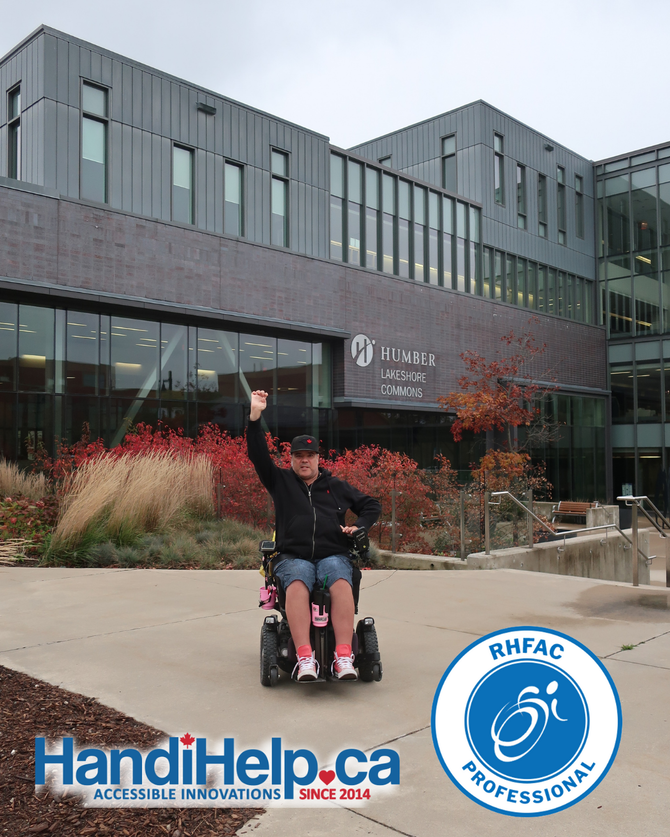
x=311, y=539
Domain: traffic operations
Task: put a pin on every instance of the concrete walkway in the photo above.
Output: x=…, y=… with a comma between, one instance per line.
x=179, y=650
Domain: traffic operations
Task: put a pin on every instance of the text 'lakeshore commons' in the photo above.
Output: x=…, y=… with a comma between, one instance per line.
x=174, y=775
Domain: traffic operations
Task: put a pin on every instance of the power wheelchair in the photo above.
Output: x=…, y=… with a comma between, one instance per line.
x=278, y=651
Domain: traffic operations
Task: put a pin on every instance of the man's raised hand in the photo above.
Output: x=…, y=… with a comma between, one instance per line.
x=259, y=401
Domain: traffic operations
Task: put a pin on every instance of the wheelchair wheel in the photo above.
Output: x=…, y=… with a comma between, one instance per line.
x=269, y=669
x=369, y=670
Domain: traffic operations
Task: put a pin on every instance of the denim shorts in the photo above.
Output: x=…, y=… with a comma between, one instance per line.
x=330, y=569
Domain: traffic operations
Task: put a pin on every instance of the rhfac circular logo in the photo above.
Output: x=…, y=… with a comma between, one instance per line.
x=526, y=721
x=362, y=349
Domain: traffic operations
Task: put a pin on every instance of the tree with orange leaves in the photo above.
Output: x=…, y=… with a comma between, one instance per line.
x=499, y=395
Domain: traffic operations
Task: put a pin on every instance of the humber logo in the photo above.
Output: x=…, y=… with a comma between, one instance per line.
x=526, y=721
x=362, y=349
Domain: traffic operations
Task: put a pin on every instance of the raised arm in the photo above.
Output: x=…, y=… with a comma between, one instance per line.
x=257, y=448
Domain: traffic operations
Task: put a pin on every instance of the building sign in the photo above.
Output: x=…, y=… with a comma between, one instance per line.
x=404, y=371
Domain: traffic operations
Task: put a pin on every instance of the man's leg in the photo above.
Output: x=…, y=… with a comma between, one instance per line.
x=298, y=613
x=342, y=611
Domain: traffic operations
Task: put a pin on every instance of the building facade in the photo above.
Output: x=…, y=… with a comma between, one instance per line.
x=166, y=250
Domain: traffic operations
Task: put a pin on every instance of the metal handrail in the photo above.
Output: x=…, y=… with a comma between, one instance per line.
x=629, y=500
x=638, y=551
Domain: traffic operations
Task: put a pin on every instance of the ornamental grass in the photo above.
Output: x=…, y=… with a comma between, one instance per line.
x=119, y=498
x=14, y=481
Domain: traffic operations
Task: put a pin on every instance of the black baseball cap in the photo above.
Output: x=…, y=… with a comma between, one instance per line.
x=304, y=443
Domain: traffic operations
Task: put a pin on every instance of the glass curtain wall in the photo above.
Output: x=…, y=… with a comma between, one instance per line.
x=65, y=373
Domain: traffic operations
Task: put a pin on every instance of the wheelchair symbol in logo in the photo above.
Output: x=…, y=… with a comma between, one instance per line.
x=513, y=721
x=362, y=349
x=515, y=725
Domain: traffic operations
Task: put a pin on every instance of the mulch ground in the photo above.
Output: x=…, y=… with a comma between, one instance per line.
x=30, y=708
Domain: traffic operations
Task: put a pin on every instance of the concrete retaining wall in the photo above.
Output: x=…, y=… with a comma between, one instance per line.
x=591, y=556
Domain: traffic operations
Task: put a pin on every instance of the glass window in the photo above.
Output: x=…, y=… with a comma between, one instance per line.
x=354, y=233
x=617, y=209
x=449, y=178
x=372, y=188
x=134, y=361
x=498, y=273
x=542, y=205
x=354, y=185
x=648, y=377
x=521, y=196
x=294, y=361
x=36, y=349
x=8, y=345
x=321, y=375
x=279, y=225
x=552, y=307
x=643, y=204
x=542, y=288
x=216, y=364
x=232, y=209
x=619, y=286
x=14, y=133
x=279, y=161
x=371, y=237
x=419, y=254
x=388, y=222
x=498, y=169
x=532, y=285
x=474, y=224
x=509, y=279
x=521, y=282
x=560, y=198
x=174, y=382
x=336, y=175
x=403, y=248
x=94, y=100
x=93, y=184
x=336, y=251
x=621, y=382
x=279, y=199
x=487, y=285
x=579, y=206
x=82, y=347
x=182, y=185
x=258, y=357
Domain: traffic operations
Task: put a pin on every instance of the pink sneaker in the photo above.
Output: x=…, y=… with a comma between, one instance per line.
x=343, y=668
x=307, y=669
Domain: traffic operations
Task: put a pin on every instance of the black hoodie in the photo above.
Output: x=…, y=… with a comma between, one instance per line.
x=308, y=517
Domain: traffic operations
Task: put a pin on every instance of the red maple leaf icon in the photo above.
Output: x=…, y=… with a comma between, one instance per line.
x=187, y=740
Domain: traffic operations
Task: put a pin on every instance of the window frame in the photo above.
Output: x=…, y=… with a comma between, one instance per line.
x=240, y=167
x=579, y=206
x=542, y=205
x=103, y=120
x=449, y=156
x=561, y=208
x=521, y=198
x=14, y=129
x=191, y=151
x=285, y=180
x=499, y=169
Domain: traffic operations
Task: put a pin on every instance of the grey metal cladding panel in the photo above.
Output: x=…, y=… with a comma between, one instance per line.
x=3, y=149
x=269, y=130
x=166, y=178
x=136, y=93
x=311, y=245
x=85, y=64
x=106, y=71
x=127, y=94
x=156, y=176
x=257, y=190
x=50, y=148
x=147, y=115
x=62, y=71
x=242, y=134
x=137, y=170
x=184, y=116
x=147, y=170
x=190, y=100
x=173, y=133
x=73, y=152
x=73, y=76
x=156, y=105
x=97, y=72
x=166, y=108
x=116, y=95
x=50, y=66
x=62, y=124
x=234, y=134
x=227, y=131
x=298, y=216
x=126, y=168
x=210, y=132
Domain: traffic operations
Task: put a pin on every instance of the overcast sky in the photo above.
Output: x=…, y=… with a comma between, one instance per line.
x=590, y=74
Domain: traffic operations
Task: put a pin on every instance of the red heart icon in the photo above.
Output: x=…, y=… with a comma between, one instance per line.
x=327, y=776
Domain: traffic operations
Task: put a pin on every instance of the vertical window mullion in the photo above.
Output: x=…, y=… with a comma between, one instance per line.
x=94, y=132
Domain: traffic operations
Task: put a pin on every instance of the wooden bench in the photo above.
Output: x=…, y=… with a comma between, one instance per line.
x=571, y=509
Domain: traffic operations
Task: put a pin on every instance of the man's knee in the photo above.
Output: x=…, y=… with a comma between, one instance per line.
x=297, y=589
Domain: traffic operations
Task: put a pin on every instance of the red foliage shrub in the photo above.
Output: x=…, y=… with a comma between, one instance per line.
x=31, y=520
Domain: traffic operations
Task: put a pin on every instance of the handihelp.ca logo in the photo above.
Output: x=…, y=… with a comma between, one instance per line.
x=526, y=721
